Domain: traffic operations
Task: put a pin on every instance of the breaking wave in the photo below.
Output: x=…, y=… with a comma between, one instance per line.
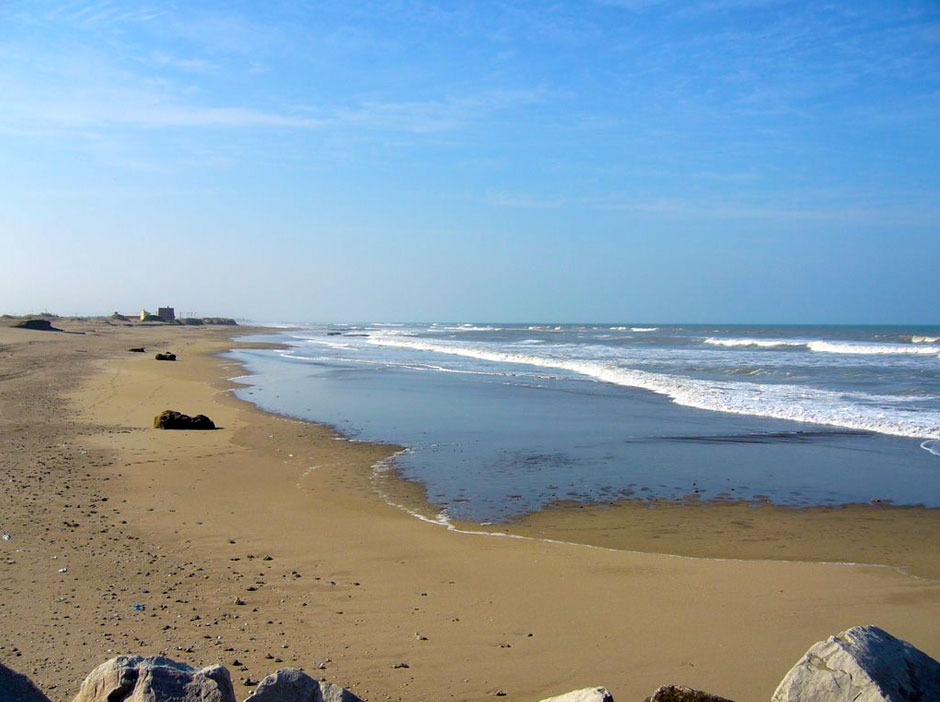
x=755, y=343
x=780, y=401
x=871, y=349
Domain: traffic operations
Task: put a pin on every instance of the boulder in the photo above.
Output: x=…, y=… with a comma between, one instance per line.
x=331, y=692
x=862, y=664
x=171, y=419
x=16, y=687
x=287, y=685
x=680, y=693
x=587, y=694
x=37, y=325
x=156, y=678
x=165, y=356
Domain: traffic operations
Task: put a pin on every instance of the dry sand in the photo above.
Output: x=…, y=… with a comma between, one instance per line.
x=105, y=513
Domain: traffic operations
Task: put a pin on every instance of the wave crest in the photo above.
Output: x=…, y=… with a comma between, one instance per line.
x=787, y=402
x=756, y=343
x=871, y=349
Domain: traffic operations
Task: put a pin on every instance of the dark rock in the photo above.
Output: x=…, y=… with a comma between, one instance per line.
x=138, y=349
x=16, y=687
x=680, y=693
x=165, y=357
x=36, y=325
x=171, y=419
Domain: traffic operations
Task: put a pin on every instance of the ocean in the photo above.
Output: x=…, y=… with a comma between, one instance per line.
x=503, y=419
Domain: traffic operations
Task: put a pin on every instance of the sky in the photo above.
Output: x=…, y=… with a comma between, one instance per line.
x=399, y=160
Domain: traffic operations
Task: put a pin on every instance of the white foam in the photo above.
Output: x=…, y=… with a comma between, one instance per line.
x=644, y=329
x=932, y=445
x=465, y=328
x=871, y=349
x=779, y=401
x=755, y=343
x=332, y=344
x=300, y=357
x=925, y=339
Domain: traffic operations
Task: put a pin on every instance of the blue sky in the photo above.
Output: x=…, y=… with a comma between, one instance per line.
x=614, y=160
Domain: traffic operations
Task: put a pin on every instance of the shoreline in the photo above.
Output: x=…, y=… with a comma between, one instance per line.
x=355, y=580
x=486, y=461
x=901, y=537
x=903, y=534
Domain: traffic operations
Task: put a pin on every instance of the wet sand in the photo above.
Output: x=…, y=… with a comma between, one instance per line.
x=265, y=542
x=907, y=538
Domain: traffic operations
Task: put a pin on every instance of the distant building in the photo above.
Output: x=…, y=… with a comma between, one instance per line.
x=167, y=314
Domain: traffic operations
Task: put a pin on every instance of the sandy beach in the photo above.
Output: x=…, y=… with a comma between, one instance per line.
x=265, y=544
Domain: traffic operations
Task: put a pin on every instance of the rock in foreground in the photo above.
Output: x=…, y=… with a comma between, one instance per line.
x=862, y=664
x=171, y=419
x=287, y=685
x=294, y=685
x=679, y=693
x=332, y=692
x=165, y=356
x=16, y=687
x=155, y=679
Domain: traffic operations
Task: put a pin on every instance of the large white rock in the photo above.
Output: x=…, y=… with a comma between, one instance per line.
x=863, y=664
x=287, y=685
x=587, y=694
x=155, y=679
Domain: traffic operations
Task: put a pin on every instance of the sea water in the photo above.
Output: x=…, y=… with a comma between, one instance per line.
x=503, y=419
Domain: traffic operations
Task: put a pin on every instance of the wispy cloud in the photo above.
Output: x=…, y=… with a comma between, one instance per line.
x=108, y=106
x=445, y=114
x=103, y=12
x=901, y=208
x=101, y=107
x=526, y=202
x=187, y=65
